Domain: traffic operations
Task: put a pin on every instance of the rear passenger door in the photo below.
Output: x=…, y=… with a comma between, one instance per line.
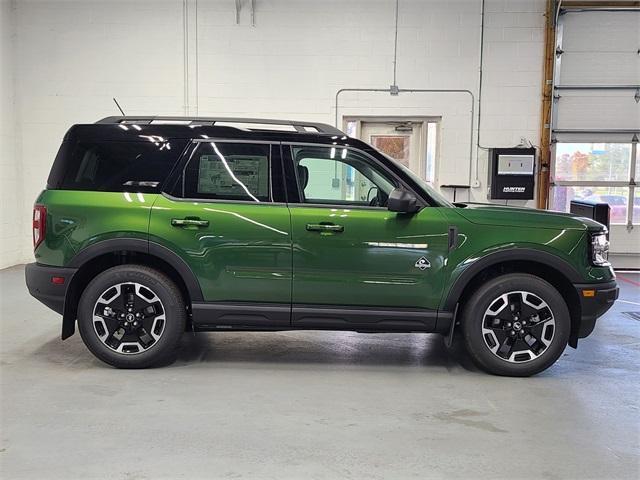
x=224, y=214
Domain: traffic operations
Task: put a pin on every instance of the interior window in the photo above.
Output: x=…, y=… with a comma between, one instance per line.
x=340, y=176
x=228, y=171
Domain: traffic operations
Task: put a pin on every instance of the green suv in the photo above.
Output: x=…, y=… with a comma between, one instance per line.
x=151, y=226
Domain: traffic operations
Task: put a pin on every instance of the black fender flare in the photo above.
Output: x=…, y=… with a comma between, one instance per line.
x=516, y=253
x=114, y=245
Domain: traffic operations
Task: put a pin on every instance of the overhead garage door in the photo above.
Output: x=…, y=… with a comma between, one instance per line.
x=596, y=120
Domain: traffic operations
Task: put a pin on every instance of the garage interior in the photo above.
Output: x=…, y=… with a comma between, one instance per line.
x=448, y=82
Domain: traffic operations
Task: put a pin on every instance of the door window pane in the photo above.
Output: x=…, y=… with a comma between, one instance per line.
x=592, y=161
x=616, y=197
x=340, y=176
x=228, y=171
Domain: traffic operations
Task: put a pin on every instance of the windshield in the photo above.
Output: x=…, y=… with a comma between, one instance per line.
x=432, y=192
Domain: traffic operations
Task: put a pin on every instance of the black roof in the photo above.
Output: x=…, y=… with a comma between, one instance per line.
x=258, y=123
x=134, y=128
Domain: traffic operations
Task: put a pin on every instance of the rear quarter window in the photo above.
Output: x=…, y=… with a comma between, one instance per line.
x=114, y=166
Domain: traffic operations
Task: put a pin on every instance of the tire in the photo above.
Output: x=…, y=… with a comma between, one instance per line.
x=515, y=325
x=133, y=341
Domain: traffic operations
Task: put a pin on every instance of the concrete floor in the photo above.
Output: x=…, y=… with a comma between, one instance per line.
x=313, y=405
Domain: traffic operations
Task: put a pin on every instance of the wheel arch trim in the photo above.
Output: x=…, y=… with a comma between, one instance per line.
x=512, y=254
x=143, y=246
x=115, y=245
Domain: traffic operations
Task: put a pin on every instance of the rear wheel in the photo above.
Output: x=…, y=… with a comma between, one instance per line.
x=131, y=316
x=516, y=325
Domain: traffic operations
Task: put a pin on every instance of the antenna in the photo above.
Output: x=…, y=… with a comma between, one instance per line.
x=119, y=107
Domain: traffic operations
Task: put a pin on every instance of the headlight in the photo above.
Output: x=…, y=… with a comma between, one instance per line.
x=600, y=249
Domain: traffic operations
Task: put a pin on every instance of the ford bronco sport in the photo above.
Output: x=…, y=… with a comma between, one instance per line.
x=152, y=226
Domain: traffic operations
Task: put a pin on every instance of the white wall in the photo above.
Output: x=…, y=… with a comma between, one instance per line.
x=12, y=237
x=72, y=56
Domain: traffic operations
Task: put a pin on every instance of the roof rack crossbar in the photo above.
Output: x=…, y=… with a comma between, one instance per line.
x=298, y=126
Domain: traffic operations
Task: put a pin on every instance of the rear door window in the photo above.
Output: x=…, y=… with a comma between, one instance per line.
x=228, y=171
x=115, y=166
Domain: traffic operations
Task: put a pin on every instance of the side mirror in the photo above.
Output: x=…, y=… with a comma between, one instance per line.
x=402, y=201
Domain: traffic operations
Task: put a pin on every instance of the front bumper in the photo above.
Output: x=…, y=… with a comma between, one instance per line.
x=39, y=279
x=595, y=300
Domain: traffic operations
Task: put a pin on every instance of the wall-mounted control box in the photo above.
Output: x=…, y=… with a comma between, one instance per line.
x=512, y=173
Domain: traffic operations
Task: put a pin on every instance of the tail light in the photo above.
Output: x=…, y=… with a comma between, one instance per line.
x=39, y=224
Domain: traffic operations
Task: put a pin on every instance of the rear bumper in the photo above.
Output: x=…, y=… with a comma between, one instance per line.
x=39, y=282
x=595, y=300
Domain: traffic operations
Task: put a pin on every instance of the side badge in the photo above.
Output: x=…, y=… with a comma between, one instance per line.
x=422, y=263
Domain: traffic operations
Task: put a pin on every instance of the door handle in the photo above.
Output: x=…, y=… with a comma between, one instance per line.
x=324, y=227
x=189, y=222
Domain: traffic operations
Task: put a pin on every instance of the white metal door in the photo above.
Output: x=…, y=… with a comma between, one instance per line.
x=596, y=119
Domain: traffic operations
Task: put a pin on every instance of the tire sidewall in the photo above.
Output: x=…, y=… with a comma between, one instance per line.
x=473, y=316
x=166, y=292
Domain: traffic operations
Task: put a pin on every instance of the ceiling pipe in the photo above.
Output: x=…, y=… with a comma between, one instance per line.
x=197, y=61
x=479, y=146
x=394, y=86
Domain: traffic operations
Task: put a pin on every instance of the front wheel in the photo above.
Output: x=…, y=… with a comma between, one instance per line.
x=131, y=316
x=516, y=325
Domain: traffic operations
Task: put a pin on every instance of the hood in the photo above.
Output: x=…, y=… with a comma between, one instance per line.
x=501, y=215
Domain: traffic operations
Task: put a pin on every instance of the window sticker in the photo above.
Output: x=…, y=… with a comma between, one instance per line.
x=234, y=176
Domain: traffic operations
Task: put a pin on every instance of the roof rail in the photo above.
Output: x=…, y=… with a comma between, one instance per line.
x=302, y=127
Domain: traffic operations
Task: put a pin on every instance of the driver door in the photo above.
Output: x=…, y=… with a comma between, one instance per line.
x=356, y=264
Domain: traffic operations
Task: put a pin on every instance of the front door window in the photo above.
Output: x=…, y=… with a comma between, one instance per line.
x=340, y=176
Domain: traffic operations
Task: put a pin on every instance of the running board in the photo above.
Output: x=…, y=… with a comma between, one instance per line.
x=274, y=316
